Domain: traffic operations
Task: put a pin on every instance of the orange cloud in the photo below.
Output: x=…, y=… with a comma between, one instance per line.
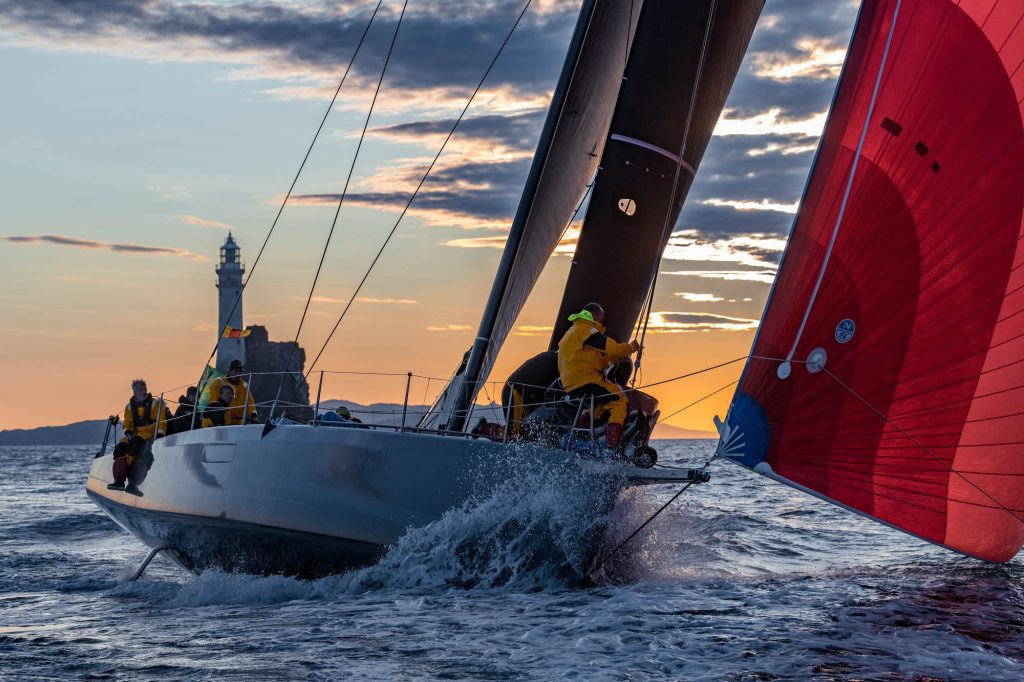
x=200, y=222
x=386, y=301
x=93, y=244
x=449, y=328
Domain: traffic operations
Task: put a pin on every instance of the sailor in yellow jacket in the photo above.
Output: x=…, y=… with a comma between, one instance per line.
x=584, y=353
x=145, y=417
x=243, y=407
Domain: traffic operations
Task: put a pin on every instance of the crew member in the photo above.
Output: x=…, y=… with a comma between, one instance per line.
x=584, y=353
x=346, y=414
x=182, y=419
x=524, y=390
x=243, y=408
x=486, y=429
x=217, y=412
x=145, y=417
x=340, y=415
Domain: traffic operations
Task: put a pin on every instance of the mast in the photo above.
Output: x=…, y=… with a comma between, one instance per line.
x=566, y=158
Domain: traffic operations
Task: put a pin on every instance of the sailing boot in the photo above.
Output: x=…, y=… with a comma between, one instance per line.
x=613, y=438
x=120, y=473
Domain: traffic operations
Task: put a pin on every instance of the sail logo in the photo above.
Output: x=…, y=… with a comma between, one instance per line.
x=845, y=330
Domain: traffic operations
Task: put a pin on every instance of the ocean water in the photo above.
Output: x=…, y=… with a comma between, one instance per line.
x=741, y=579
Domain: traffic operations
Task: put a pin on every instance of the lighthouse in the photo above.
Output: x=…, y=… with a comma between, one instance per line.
x=229, y=286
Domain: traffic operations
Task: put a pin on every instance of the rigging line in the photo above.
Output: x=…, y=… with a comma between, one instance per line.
x=341, y=200
x=415, y=193
x=291, y=188
x=690, y=374
x=653, y=516
x=583, y=199
x=922, y=446
x=849, y=181
x=302, y=166
x=700, y=400
x=666, y=228
x=490, y=402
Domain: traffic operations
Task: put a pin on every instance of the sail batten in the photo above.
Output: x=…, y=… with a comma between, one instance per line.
x=902, y=285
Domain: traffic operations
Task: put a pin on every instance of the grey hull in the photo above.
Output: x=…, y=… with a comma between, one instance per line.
x=311, y=501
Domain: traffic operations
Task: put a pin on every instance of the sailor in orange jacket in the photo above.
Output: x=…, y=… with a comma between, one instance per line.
x=243, y=407
x=145, y=418
x=584, y=353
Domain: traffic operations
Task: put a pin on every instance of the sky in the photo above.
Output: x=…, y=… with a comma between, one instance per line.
x=137, y=133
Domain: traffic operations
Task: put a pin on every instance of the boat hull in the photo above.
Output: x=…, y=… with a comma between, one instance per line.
x=310, y=501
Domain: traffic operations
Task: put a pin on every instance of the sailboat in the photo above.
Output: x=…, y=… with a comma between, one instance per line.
x=304, y=499
x=886, y=375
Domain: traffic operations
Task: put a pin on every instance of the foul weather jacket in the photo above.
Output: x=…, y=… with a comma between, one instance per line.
x=141, y=417
x=242, y=405
x=216, y=414
x=585, y=352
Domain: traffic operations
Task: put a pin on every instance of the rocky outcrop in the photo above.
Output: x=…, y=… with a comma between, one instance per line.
x=267, y=360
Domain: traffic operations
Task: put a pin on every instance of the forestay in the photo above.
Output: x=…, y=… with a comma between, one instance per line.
x=888, y=372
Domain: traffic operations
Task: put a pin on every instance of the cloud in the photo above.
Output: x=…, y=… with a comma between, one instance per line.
x=749, y=250
x=784, y=148
x=688, y=322
x=441, y=50
x=816, y=58
x=512, y=135
x=770, y=122
x=110, y=246
x=361, y=299
x=755, y=171
x=749, y=181
x=298, y=49
x=698, y=298
x=386, y=301
x=532, y=330
x=746, y=205
x=477, y=242
x=200, y=222
x=463, y=191
x=761, y=276
x=449, y=328
x=795, y=48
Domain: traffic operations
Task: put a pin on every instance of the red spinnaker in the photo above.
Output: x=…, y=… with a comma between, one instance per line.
x=917, y=416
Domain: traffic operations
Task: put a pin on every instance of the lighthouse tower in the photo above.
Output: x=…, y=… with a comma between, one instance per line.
x=229, y=285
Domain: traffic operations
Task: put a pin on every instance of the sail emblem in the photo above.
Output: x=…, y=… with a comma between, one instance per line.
x=845, y=330
x=627, y=206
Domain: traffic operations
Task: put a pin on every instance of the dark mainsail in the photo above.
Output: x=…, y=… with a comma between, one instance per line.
x=682, y=65
x=566, y=158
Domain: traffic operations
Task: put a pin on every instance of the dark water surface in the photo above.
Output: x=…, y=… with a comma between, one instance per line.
x=742, y=579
